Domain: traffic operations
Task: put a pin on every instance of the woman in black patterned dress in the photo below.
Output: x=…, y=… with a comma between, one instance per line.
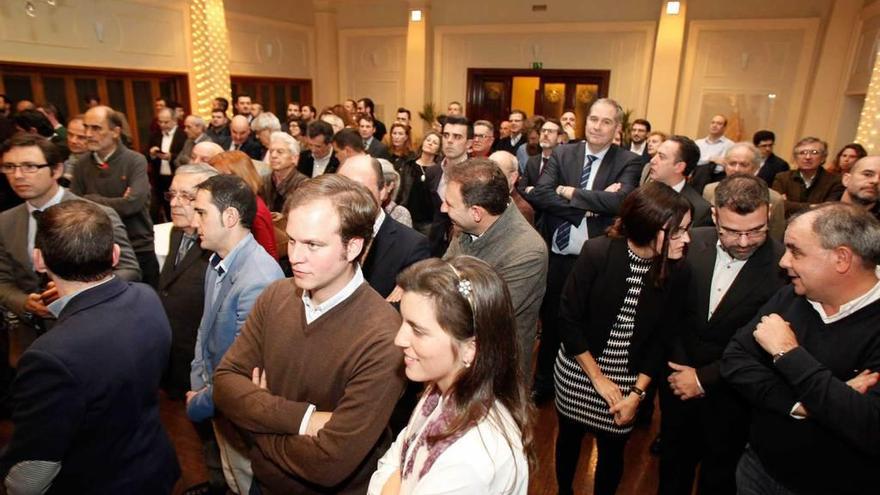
x=612, y=309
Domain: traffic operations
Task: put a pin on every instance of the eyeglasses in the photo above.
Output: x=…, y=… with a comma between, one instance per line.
x=184, y=197
x=27, y=168
x=809, y=152
x=748, y=234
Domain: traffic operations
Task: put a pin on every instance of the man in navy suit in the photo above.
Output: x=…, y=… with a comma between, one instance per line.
x=578, y=196
x=770, y=163
x=237, y=273
x=85, y=402
x=395, y=246
x=638, y=138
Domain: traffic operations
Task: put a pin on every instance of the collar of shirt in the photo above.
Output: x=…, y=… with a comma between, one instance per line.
x=599, y=156
x=57, y=306
x=715, y=141
x=171, y=132
x=106, y=159
x=225, y=262
x=514, y=138
x=849, y=308
x=638, y=148
x=808, y=182
x=378, y=223
x=52, y=202
x=725, y=258
x=678, y=187
x=314, y=311
x=368, y=142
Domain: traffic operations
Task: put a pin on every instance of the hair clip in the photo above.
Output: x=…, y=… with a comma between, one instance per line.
x=464, y=288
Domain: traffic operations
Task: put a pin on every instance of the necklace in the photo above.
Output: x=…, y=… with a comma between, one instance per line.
x=422, y=178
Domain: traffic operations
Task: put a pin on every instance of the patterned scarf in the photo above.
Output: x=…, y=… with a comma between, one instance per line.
x=436, y=426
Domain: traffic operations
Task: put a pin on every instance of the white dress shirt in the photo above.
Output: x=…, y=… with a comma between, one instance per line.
x=165, y=147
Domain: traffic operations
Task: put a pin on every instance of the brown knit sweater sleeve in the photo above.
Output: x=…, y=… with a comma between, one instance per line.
x=371, y=391
x=235, y=395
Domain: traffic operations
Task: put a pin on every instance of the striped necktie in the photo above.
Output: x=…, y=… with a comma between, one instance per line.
x=563, y=231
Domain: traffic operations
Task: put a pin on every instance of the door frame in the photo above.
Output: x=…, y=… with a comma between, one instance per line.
x=602, y=78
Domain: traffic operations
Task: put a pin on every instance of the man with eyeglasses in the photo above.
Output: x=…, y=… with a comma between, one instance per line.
x=809, y=184
x=744, y=158
x=733, y=269
x=551, y=133
x=32, y=166
x=484, y=138
x=182, y=280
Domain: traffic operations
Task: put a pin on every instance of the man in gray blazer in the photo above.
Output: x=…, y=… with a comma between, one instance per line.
x=577, y=197
x=492, y=229
x=32, y=166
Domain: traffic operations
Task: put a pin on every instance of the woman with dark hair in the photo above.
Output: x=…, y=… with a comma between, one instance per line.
x=611, y=313
x=415, y=191
x=846, y=157
x=470, y=432
x=399, y=142
x=239, y=164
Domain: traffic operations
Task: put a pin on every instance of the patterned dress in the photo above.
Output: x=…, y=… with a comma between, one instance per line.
x=576, y=398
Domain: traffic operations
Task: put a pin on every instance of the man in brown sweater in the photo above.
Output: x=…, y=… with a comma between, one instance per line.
x=809, y=184
x=312, y=379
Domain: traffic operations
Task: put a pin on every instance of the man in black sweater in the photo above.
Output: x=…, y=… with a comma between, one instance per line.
x=807, y=363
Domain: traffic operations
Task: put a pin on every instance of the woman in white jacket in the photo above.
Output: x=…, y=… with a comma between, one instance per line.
x=470, y=432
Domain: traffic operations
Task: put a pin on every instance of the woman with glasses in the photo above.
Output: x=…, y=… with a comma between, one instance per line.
x=470, y=432
x=611, y=314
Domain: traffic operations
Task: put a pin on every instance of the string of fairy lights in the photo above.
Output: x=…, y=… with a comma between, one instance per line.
x=866, y=135
x=210, y=41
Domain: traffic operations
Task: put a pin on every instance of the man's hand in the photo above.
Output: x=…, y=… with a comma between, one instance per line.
x=193, y=393
x=34, y=304
x=607, y=389
x=395, y=295
x=49, y=295
x=565, y=191
x=863, y=381
x=154, y=151
x=625, y=410
x=613, y=188
x=569, y=129
x=316, y=422
x=774, y=335
x=683, y=382
x=259, y=378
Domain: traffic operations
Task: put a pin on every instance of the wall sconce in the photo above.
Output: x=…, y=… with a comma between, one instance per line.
x=415, y=15
x=673, y=8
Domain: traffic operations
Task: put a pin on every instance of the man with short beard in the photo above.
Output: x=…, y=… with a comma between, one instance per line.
x=733, y=270
x=862, y=184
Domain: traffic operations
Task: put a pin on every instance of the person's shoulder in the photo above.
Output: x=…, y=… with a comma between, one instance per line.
x=8, y=215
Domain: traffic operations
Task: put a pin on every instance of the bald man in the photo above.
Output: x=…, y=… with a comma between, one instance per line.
x=204, y=151
x=395, y=246
x=508, y=164
x=862, y=184
x=242, y=140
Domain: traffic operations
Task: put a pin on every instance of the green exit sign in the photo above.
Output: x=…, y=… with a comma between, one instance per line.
x=537, y=65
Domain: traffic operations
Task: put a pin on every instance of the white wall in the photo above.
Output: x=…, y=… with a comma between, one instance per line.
x=268, y=47
x=118, y=34
x=624, y=48
x=372, y=63
x=731, y=67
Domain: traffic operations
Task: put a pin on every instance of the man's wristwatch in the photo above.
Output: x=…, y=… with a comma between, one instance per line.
x=638, y=391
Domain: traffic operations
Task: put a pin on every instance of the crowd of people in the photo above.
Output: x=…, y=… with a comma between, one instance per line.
x=346, y=307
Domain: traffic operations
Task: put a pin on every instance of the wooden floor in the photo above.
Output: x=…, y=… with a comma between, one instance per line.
x=640, y=476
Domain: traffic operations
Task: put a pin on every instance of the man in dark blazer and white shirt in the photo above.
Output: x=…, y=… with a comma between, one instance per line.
x=182, y=280
x=675, y=158
x=319, y=158
x=85, y=407
x=372, y=145
x=394, y=246
x=733, y=271
x=578, y=196
x=771, y=164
